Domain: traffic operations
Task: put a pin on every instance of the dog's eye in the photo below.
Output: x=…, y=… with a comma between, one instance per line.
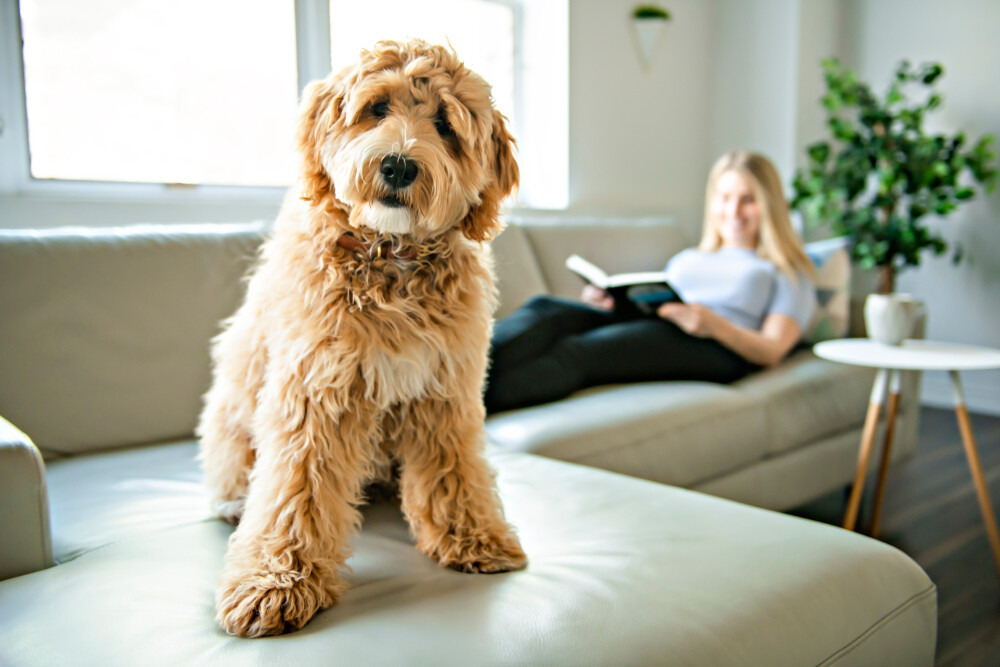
x=442, y=125
x=380, y=109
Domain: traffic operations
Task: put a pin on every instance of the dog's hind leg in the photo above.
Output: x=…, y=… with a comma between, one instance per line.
x=285, y=559
x=448, y=490
x=226, y=444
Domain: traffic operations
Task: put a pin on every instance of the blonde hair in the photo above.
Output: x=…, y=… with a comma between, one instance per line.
x=777, y=241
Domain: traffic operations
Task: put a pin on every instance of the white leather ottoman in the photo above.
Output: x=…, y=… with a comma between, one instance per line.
x=622, y=571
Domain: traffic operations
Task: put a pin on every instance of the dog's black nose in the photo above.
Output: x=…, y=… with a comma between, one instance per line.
x=397, y=171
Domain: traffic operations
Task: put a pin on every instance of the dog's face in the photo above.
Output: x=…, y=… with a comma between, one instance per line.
x=407, y=142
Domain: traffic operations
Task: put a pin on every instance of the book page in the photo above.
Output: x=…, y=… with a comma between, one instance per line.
x=640, y=278
x=588, y=271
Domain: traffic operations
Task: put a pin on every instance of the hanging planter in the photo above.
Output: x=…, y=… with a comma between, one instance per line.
x=649, y=22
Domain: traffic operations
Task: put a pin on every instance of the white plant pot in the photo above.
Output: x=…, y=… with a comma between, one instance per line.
x=646, y=35
x=889, y=318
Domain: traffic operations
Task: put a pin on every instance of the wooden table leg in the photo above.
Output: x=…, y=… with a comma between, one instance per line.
x=976, y=468
x=864, y=454
x=890, y=429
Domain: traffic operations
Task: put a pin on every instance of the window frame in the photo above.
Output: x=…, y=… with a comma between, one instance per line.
x=313, y=61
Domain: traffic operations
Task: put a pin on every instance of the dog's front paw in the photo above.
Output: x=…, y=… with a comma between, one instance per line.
x=268, y=603
x=487, y=554
x=229, y=510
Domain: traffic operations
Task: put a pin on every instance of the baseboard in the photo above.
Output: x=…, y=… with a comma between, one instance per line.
x=982, y=391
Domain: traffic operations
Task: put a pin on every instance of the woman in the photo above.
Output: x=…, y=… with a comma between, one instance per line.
x=748, y=297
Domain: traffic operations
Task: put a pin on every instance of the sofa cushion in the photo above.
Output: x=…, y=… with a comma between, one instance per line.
x=833, y=289
x=808, y=398
x=111, y=327
x=614, y=244
x=651, y=430
x=106, y=497
x=517, y=272
x=621, y=572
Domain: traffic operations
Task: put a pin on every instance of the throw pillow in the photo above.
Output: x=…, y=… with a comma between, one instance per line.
x=833, y=289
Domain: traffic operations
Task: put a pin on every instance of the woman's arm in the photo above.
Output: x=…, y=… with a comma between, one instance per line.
x=766, y=347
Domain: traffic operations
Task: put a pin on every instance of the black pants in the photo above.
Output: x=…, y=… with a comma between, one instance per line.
x=551, y=347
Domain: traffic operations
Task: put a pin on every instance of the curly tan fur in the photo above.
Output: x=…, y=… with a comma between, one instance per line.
x=340, y=368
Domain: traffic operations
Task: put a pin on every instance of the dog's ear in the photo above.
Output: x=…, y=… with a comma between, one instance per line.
x=507, y=174
x=483, y=222
x=318, y=112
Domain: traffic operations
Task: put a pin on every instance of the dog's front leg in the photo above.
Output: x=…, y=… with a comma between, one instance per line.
x=285, y=557
x=448, y=490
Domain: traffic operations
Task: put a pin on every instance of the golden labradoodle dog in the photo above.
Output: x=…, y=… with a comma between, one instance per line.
x=360, y=350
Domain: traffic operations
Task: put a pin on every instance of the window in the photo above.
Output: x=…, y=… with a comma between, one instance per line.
x=161, y=92
x=111, y=99
x=520, y=47
x=481, y=32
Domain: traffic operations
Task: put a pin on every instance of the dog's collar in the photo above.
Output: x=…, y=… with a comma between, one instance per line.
x=380, y=249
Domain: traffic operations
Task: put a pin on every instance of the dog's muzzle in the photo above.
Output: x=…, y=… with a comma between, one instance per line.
x=398, y=171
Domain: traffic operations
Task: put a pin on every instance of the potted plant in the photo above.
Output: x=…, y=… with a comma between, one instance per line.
x=882, y=176
x=648, y=22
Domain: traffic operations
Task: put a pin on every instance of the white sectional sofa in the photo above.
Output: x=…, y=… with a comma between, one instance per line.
x=108, y=553
x=776, y=439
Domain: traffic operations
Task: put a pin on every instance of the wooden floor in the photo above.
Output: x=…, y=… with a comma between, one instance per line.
x=931, y=513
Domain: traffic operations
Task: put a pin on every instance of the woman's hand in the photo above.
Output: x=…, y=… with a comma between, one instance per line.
x=598, y=298
x=766, y=347
x=692, y=318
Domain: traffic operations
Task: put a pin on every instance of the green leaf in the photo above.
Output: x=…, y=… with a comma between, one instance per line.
x=931, y=72
x=842, y=129
x=903, y=71
x=819, y=152
x=650, y=12
x=964, y=194
x=943, y=207
x=832, y=101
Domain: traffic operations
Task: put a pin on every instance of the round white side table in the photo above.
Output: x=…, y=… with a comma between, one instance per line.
x=912, y=355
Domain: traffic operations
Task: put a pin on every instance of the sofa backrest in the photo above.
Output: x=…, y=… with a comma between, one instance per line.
x=530, y=254
x=518, y=276
x=616, y=245
x=104, y=333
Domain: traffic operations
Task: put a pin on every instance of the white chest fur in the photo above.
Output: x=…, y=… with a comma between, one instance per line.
x=400, y=376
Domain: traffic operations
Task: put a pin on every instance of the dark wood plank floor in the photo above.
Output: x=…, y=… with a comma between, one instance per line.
x=931, y=513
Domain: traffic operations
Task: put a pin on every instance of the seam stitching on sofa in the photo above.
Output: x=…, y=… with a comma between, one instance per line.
x=880, y=623
x=127, y=538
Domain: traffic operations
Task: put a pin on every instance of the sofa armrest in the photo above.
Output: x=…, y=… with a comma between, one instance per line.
x=26, y=545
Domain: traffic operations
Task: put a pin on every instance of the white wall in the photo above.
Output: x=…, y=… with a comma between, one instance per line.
x=963, y=301
x=640, y=141
x=819, y=34
x=755, y=79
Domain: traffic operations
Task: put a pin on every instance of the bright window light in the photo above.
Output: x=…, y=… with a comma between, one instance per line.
x=187, y=91
x=481, y=32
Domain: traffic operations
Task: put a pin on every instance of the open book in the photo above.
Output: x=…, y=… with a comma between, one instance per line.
x=634, y=293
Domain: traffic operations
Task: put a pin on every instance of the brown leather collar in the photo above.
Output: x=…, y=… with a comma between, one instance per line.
x=380, y=250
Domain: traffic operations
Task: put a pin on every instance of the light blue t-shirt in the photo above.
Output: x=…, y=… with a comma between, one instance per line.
x=740, y=286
